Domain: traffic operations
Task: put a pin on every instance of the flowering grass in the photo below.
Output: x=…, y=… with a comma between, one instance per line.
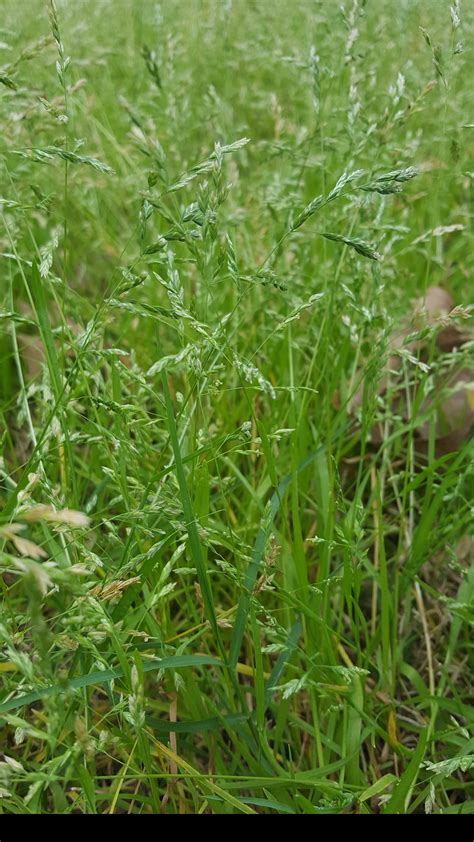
x=236, y=485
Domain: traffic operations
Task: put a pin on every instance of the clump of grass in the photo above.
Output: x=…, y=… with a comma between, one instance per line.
x=232, y=582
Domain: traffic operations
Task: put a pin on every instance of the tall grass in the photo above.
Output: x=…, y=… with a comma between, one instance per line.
x=236, y=497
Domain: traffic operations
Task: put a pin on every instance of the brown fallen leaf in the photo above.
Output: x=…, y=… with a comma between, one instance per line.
x=439, y=307
x=32, y=354
x=437, y=301
x=455, y=412
x=453, y=396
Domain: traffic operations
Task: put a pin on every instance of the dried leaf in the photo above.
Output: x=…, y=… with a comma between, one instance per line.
x=454, y=401
x=437, y=301
x=453, y=397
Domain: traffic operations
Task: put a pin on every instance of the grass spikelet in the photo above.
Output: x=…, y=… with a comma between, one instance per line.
x=236, y=407
x=360, y=246
x=69, y=517
x=49, y=153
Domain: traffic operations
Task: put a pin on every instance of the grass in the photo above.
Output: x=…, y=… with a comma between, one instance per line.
x=236, y=495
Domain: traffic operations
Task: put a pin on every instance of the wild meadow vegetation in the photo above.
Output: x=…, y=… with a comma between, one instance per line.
x=236, y=397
